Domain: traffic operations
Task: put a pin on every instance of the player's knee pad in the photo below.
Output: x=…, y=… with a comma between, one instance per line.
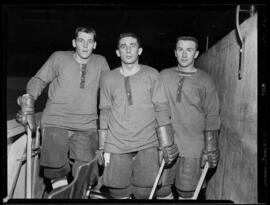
x=59, y=182
x=141, y=192
x=184, y=194
x=168, y=197
x=188, y=174
x=164, y=191
x=53, y=173
x=120, y=193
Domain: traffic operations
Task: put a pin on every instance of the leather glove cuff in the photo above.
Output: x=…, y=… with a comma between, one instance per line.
x=211, y=141
x=26, y=115
x=102, y=135
x=165, y=135
x=27, y=103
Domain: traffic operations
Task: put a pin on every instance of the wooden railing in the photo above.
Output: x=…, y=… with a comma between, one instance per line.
x=14, y=128
x=19, y=143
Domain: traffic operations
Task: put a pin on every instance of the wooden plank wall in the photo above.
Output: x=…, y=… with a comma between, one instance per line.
x=236, y=176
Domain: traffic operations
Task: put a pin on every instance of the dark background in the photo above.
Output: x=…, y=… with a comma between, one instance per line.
x=32, y=32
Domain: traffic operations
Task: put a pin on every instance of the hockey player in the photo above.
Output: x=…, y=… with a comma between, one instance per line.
x=133, y=107
x=69, y=127
x=194, y=105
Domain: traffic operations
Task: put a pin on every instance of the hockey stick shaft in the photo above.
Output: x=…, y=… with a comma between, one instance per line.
x=157, y=179
x=201, y=180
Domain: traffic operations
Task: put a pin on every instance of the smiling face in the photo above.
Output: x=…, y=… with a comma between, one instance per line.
x=84, y=44
x=128, y=50
x=186, y=52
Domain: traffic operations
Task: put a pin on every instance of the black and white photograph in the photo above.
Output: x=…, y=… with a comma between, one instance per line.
x=134, y=103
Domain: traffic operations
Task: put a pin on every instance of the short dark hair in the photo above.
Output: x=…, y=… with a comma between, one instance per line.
x=129, y=34
x=187, y=38
x=85, y=30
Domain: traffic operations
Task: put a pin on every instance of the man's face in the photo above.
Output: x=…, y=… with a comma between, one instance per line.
x=84, y=44
x=128, y=50
x=186, y=52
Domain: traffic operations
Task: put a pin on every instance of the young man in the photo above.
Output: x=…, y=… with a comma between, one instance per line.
x=195, y=116
x=133, y=105
x=69, y=136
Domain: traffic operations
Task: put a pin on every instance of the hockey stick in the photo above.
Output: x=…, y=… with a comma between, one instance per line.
x=35, y=163
x=28, y=163
x=157, y=179
x=201, y=180
x=199, y=185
